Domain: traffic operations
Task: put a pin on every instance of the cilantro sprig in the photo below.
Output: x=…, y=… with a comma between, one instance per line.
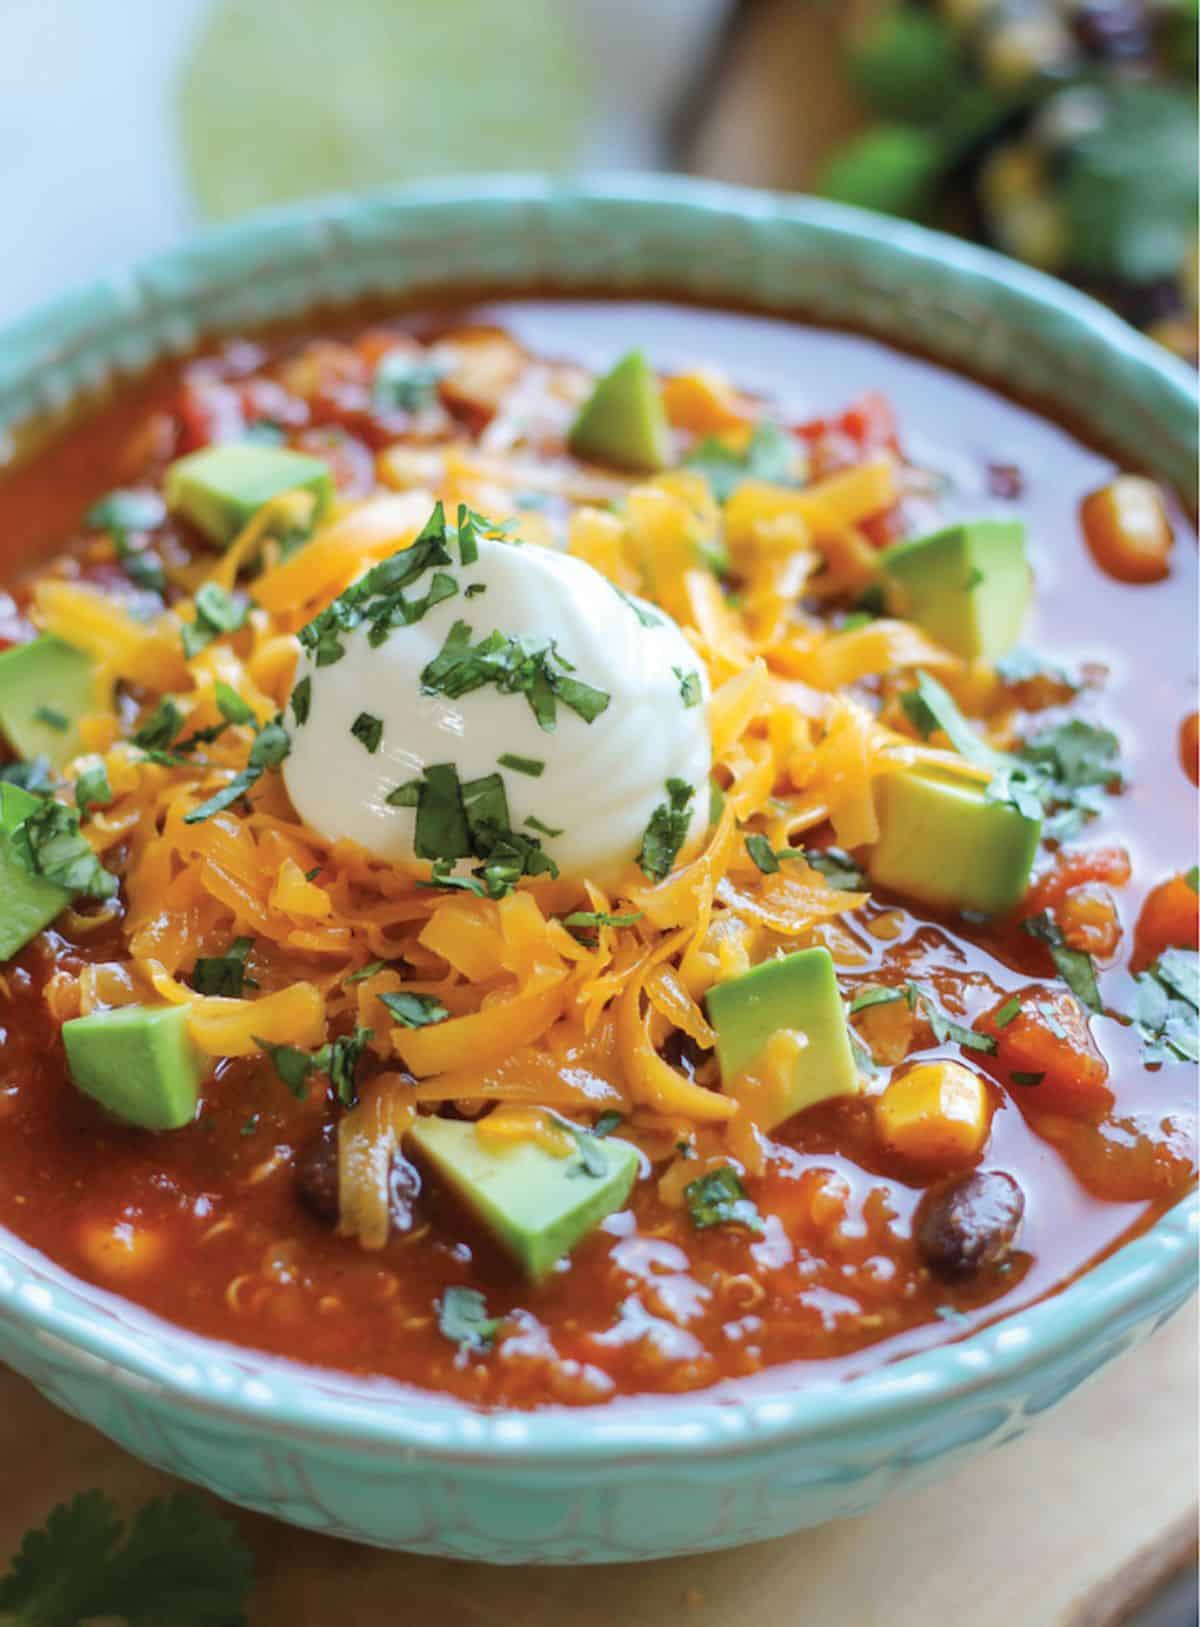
x=469, y=819
x=48, y=843
x=338, y=1059
x=667, y=830
x=463, y=1319
x=528, y=666
x=1167, y=1009
x=178, y=1561
x=271, y=745
x=718, y=1198
x=224, y=974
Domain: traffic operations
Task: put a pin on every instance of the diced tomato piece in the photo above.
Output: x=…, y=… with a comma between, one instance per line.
x=1074, y=869
x=869, y=422
x=1087, y=917
x=209, y=412
x=884, y=527
x=1046, y=1055
x=1189, y=746
x=1170, y=919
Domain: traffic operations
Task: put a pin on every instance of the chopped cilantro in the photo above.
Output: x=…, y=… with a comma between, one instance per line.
x=516, y=666
x=160, y=728
x=231, y=705
x=542, y=828
x=52, y=719
x=877, y=995
x=179, y=1561
x=770, y=454
x=404, y=796
x=1167, y=1007
x=762, y=853
x=463, y=1319
x=302, y=700
x=379, y=599
x=224, y=974
x=1007, y=1012
x=363, y=972
x=592, y=1161
x=404, y=383
x=414, y=1010
x=217, y=612
x=945, y=1028
x=643, y=612
x=719, y=1199
x=689, y=687
x=597, y=918
x=1073, y=965
x=442, y=831
x=271, y=745
x=1192, y=877
x=92, y=789
x=338, y=1059
x=1019, y=1077
x=838, y=868
x=49, y=843
x=667, y=830
x=124, y=511
x=930, y=710
x=474, y=590
x=533, y=766
x=607, y=1123
x=368, y=730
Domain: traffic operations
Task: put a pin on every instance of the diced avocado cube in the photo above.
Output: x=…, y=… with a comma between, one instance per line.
x=46, y=687
x=797, y=992
x=27, y=903
x=536, y=1205
x=138, y=1062
x=942, y=842
x=623, y=420
x=967, y=586
x=221, y=488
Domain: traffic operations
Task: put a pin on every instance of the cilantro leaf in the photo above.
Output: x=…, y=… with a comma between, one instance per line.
x=224, y=974
x=1167, y=1009
x=1020, y=665
x=838, y=868
x=770, y=454
x=533, y=766
x=689, y=687
x=52, y=718
x=158, y=731
x=719, y=1199
x=414, y=1010
x=302, y=700
x=515, y=666
x=1007, y=1012
x=930, y=710
x=179, y=1562
x=49, y=843
x=364, y=972
x=762, y=853
x=338, y=1059
x=217, y=612
x=463, y=1319
x=92, y=789
x=593, y=918
x=404, y=383
x=1073, y=965
x=607, y=1123
x=592, y=1161
x=945, y=1029
x=877, y=995
x=368, y=730
x=293, y=1065
x=231, y=705
x=667, y=830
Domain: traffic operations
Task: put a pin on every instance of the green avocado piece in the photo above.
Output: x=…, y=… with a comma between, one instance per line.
x=45, y=688
x=27, y=903
x=623, y=420
x=220, y=488
x=942, y=842
x=967, y=586
x=138, y=1062
x=536, y=1205
x=798, y=992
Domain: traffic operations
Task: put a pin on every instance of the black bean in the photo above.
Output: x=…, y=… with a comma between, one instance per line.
x=317, y=1175
x=680, y=1051
x=969, y=1224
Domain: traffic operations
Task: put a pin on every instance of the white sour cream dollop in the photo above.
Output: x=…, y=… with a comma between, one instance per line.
x=601, y=781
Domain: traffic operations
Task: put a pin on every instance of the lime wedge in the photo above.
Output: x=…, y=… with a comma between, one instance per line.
x=285, y=99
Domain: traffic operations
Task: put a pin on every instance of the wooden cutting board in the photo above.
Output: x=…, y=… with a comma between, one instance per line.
x=1068, y=1527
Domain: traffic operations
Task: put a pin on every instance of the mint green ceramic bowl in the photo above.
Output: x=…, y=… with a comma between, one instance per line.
x=387, y=1467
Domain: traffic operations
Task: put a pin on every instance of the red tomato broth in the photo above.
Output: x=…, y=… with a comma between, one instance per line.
x=648, y=1303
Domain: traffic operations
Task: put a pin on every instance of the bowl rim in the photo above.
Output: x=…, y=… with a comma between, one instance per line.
x=194, y=1374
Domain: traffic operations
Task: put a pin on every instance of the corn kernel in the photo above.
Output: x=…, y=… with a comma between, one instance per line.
x=938, y=1114
x=120, y=1250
